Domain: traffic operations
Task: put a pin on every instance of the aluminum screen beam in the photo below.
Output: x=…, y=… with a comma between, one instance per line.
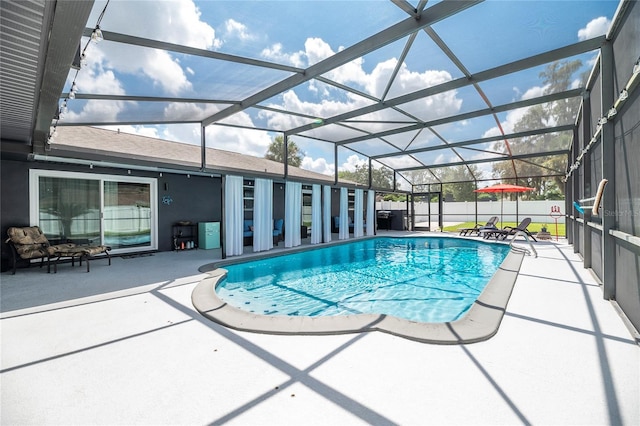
x=530, y=62
x=148, y=99
x=469, y=115
x=194, y=51
x=461, y=144
x=430, y=16
x=487, y=160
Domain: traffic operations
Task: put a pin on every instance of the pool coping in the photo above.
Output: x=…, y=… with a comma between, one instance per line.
x=480, y=323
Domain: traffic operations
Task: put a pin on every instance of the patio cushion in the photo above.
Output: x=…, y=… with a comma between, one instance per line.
x=27, y=235
x=29, y=242
x=93, y=250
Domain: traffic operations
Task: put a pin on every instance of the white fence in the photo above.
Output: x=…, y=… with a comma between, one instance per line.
x=464, y=211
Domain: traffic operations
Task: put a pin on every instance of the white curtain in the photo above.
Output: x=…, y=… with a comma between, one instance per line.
x=371, y=212
x=292, y=214
x=316, y=215
x=326, y=220
x=234, y=215
x=263, y=215
x=343, y=232
x=358, y=211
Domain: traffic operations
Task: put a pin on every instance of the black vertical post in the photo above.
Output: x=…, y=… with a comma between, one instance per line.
x=335, y=162
x=429, y=206
x=608, y=172
x=203, y=149
x=223, y=229
x=475, y=200
x=407, y=207
x=413, y=210
x=568, y=196
x=285, y=137
x=440, y=207
x=586, y=183
x=575, y=181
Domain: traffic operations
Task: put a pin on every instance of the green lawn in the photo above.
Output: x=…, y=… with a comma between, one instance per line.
x=533, y=227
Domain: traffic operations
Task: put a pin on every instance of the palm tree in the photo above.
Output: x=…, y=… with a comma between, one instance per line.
x=275, y=152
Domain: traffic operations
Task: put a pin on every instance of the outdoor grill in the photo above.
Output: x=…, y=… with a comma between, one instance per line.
x=384, y=219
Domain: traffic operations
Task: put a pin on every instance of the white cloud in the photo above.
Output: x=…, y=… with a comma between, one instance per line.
x=276, y=53
x=534, y=92
x=94, y=79
x=575, y=84
x=513, y=117
x=173, y=21
x=353, y=74
x=319, y=165
x=351, y=163
x=244, y=141
x=235, y=29
x=517, y=91
x=97, y=111
x=594, y=28
x=399, y=162
x=188, y=111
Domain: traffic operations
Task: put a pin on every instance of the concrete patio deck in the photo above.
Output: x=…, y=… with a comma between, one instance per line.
x=123, y=345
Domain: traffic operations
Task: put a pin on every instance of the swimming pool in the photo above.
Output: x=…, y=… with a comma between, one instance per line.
x=477, y=323
x=418, y=279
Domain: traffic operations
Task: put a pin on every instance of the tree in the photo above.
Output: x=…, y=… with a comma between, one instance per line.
x=455, y=182
x=275, y=152
x=557, y=77
x=462, y=181
x=380, y=178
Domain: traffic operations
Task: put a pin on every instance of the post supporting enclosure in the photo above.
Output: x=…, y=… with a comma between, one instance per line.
x=608, y=172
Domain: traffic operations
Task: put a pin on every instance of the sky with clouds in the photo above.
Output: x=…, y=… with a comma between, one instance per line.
x=300, y=34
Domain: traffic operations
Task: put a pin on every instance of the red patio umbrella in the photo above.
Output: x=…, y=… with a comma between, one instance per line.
x=502, y=188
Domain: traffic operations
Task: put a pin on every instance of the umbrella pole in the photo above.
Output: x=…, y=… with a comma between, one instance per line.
x=501, y=209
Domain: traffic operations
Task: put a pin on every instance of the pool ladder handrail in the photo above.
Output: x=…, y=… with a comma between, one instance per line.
x=519, y=232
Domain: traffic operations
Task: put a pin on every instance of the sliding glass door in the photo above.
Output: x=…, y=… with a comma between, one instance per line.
x=69, y=208
x=117, y=211
x=127, y=214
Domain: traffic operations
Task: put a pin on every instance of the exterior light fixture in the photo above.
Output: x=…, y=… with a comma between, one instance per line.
x=73, y=91
x=96, y=35
x=602, y=121
x=624, y=94
x=612, y=112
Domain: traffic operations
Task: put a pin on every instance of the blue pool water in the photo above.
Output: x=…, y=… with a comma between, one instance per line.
x=420, y=279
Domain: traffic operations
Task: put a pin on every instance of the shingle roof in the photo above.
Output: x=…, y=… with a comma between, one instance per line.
x=127, y=147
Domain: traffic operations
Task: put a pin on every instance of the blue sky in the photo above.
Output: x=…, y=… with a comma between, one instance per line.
x=301, y=33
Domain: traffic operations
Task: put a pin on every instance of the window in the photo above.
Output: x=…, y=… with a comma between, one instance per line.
x=116, y=211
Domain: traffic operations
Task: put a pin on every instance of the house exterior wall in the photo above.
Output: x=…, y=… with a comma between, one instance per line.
x=194, y=198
